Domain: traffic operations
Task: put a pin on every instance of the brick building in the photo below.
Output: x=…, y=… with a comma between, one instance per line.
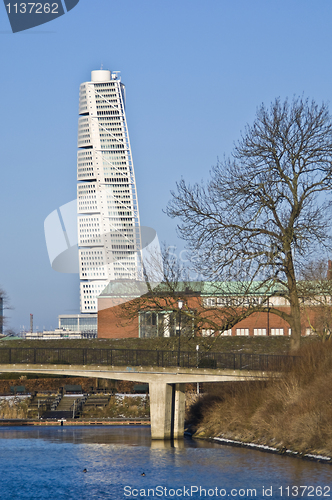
x=127, y=309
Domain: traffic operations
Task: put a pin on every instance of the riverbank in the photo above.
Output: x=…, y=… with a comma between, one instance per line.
x=107, y=407
x=293, y=412
x=267, y=449
x=270, y=449
x=115, y=421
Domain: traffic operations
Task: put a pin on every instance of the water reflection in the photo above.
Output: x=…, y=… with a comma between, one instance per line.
x=165, y=445
x=134, y=436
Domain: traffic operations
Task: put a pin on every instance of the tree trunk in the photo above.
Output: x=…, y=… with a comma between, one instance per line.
x=295, y=326
x=295, y=312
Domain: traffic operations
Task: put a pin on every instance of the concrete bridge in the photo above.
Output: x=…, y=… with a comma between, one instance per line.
x=166, y=383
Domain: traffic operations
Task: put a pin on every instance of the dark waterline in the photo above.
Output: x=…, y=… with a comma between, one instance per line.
x=48, y=462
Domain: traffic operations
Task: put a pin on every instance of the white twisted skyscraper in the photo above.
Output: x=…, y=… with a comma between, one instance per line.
x=108, y=218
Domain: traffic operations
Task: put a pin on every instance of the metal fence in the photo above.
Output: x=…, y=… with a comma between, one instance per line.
x=140, y=357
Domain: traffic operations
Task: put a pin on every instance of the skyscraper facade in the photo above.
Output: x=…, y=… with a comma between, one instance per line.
x=108, y=218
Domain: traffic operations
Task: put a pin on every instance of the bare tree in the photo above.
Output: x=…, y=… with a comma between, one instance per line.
x=266, y=208
x=209, y=309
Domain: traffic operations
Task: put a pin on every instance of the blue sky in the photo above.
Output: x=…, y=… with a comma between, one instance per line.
x=195, y=73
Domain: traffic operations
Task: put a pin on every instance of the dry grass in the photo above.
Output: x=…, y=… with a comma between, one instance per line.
x=293, y=412
x=121, y=407
x=14, y=408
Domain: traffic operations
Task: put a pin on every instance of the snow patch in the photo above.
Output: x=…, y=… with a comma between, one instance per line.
x=272, y=449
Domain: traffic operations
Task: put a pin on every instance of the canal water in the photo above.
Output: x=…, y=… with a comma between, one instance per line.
x=122, y=462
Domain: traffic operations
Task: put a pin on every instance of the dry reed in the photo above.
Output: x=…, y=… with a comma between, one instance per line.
x=293, y=411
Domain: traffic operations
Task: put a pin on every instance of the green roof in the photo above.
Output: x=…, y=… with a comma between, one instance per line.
x=125, y=288
x=133, y=289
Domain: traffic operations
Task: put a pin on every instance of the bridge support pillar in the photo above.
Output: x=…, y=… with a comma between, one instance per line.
x=167, y=406
x=179, y=410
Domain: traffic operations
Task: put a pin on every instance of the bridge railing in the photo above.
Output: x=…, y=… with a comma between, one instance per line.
x=143, y=357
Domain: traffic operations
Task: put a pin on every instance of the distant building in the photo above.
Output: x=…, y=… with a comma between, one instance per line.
x=109, y=238
x=84, y=324
x=71, y=326
x=56, y=334
x=108, y=218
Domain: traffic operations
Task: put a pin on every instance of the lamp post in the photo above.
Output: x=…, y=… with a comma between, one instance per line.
x=197, y=355
x=180, y=305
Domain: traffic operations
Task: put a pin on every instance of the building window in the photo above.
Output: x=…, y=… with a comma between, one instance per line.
x=260, y=331
x=242, y=331
x=209, y=302
x=277, y=331
x=164, y=324
x=207, y=332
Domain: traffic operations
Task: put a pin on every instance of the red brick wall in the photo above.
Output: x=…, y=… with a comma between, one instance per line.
x=112, y=324
x=262, y=320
